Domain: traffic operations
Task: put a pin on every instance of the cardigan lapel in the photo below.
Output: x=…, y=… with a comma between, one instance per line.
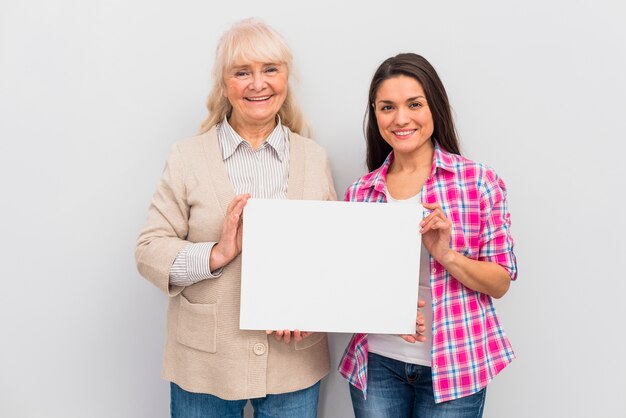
x=217, y=170
x=295, y=183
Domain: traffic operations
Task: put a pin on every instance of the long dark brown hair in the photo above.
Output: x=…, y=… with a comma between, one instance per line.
x=417, y=67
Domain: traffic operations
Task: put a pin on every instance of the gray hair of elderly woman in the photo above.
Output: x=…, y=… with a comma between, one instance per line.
x=250, y=40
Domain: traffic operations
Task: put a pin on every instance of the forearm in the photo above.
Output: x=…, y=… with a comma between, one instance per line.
x=191, y=265
x=482, y=276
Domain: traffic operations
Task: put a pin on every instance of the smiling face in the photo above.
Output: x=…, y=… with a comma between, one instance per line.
x=256, y=91
x=403, y=116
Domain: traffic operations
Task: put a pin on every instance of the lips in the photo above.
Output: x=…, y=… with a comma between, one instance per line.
x=258, y=99
x=405, y=133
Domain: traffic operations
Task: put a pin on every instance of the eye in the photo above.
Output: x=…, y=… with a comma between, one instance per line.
x=242, y=74
x=386, y=108
x=271, y=70
x=415, y=105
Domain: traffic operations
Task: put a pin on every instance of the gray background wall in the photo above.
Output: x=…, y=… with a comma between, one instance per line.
x=92, y=94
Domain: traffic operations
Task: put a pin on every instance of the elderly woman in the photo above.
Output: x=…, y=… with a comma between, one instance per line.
x=249, y=146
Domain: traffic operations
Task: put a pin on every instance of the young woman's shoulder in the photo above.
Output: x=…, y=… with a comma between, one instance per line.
x=487, y=180
x=358, y=188
x=467, y=168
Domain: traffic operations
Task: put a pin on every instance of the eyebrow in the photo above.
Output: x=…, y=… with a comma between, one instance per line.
x=410, y=99
x=240, y=66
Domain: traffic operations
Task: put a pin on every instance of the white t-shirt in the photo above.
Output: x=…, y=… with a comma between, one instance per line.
x=393, y=346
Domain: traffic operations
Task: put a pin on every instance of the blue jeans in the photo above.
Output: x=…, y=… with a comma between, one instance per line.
x=298, y=404
x=396, y=389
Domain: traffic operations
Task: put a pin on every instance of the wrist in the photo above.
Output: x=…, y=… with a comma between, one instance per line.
x=216, y=258
x=448, y=258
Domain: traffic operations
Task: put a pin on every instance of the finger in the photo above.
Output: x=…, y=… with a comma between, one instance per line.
x=234, y=202
x=427, y=225
x=237, y=210
x=421, y=303
x=278, y=335
x=287, y=336
x=297, y=336
x=443, y=225
x=268, y=332
x=439, y=222
x=420, y=338
x=419, y=319
x=306, y=334
x=231, y=221
x=437, y=213
x=408, y=338
x=431, y=206
x=420, y=324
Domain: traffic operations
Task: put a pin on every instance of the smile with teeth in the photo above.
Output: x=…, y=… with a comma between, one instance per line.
x=404, y=133
x=257, y=99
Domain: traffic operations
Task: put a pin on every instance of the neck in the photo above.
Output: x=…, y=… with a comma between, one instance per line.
x=254, y=133
x=419, y=161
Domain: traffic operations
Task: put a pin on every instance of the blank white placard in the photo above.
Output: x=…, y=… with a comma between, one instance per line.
x=330, y=266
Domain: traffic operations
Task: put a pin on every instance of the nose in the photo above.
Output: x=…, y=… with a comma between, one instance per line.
x=402, y=117
x=258, y=81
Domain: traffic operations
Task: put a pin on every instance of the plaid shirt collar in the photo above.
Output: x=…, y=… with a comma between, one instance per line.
x=378, y=178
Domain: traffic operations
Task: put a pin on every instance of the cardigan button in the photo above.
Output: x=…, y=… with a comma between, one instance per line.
x=259, y=349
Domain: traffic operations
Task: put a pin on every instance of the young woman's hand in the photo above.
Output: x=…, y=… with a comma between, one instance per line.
x=420, y=326
x=229, y=245
x=436, y=231
x=482, y=276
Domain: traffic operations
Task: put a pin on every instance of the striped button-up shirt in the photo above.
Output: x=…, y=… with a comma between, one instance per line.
x=263, y=173
x=469, y=346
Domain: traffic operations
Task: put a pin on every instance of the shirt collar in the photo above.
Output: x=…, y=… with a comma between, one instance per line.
x=230, y=140
x=378, y=178
x=442, y=159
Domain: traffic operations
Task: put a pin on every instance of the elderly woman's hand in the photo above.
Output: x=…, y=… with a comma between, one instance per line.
x=285, y=335
x=229, y=245
x=420, y=326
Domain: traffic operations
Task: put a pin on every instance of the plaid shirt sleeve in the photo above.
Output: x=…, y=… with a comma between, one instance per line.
x=495, y=241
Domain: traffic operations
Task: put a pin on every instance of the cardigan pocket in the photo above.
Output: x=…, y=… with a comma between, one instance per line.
x=197, y=325
x=310, y=341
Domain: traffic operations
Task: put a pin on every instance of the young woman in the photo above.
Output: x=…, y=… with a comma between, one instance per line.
x=413, y=152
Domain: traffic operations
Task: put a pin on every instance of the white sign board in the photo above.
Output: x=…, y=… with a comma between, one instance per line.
x=330, y=266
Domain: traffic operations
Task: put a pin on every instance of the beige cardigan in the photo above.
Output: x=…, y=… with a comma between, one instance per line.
x=205, y=351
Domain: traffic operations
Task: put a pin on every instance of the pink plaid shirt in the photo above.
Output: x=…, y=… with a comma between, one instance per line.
x=469, y=345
